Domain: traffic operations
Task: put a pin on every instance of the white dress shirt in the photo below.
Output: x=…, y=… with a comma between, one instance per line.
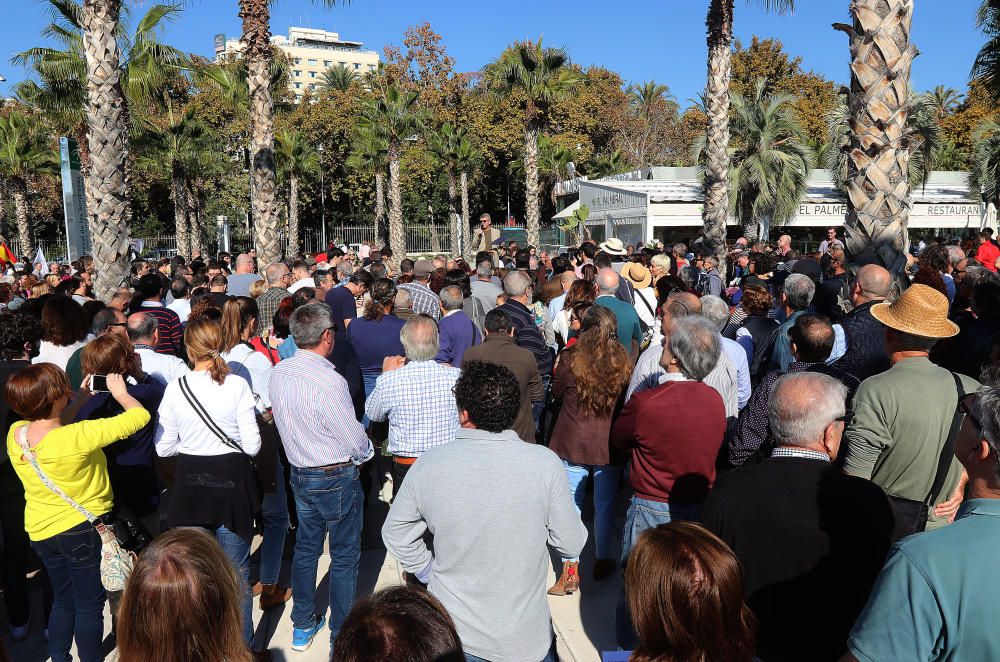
x=164, y=368
x=179, y=429
x=182, y=307
x=300, y=283
x=246, y=362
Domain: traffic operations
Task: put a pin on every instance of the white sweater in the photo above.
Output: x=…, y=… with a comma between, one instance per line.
x=230, y=405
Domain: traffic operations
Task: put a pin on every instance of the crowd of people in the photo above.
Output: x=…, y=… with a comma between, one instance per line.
x=810, y=450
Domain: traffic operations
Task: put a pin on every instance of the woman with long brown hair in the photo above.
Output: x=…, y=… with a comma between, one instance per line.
x=183, y=601
x=579, y=291
x=590, y=380
x=684, y=590
x=64, y=327
x=207, y=420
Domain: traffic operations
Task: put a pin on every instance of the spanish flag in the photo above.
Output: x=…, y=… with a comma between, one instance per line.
x=6, y=255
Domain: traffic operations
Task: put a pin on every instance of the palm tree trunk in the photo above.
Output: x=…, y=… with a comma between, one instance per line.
x=107, y=139
x=380, y=230
x=453, y=211
x=878, y=191
x=464, y=221
x=397, y=239
x=195, y=225
x=532, y=214
x=20, y=195
x=179, y=194
x=3, y=211
x=255, y=15
x=293, y=216
x=715, y=214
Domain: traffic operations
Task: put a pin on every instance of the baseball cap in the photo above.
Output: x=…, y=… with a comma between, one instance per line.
x=423, y=268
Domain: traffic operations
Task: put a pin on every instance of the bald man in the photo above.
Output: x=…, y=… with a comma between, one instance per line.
x=866, y=352
x=629, y=329
x=241, y=279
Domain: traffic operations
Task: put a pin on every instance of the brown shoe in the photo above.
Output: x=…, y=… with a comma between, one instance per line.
x=256, y=589
x=603, y=568
x=569, y=581
x=272, y=595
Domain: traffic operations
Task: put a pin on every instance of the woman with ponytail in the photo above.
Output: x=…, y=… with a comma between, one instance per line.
x=239, y=325
x=376, y=335
x=207, y=420
x=590, y=381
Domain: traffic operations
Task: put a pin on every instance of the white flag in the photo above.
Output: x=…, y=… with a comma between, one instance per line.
x=40, y=257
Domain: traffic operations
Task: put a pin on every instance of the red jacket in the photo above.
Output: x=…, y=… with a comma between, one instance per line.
x=988, y=254
x=675, y=432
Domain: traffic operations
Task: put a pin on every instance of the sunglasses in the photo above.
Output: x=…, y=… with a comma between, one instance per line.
x=846, y=418
x=965, y=404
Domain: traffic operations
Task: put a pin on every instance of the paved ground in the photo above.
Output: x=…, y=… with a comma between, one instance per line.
x=584, y=622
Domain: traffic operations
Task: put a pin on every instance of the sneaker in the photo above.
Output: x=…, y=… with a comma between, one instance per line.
x=302, y=639
x=20, y=632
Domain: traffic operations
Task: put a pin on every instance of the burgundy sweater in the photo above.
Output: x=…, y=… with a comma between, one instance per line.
x=674, y=432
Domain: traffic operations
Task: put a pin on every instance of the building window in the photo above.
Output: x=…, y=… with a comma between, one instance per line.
x=342, y=63
x=298, y=86
x=312, y=86
x=357, y=66
x=298, y=60
x=327, y=63
x=312, y=63
x=312, y=74
x=371, y=67
x=297, y=72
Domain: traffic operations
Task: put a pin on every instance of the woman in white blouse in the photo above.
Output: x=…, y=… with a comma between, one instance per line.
x=64, y=331
x=239, y=325
x=207, y=420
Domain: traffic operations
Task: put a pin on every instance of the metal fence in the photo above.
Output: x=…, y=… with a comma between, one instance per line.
x=420, y=240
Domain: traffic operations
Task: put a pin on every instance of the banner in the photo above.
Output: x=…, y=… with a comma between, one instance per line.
x=74, y=202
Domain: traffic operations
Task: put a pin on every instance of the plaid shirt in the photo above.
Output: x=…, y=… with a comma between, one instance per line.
x=422, y=299
x=420, y=404
x=267, y=305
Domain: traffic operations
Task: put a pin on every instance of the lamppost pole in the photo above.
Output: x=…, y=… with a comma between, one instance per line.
x=322, y=198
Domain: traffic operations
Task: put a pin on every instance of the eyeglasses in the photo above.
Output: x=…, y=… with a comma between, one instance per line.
x=965, y=404
x=846, y=418
x=121, y=324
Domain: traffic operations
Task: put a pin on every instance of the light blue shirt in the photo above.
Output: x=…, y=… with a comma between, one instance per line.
x=738, y=355
x=556, y=305
x=936, y=598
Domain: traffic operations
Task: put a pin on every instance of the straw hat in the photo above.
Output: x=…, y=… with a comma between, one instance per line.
x=637, y=274
x=613, y=246
x=921, y=310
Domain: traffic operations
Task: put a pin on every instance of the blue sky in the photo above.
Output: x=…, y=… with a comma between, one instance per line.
x=662, y=40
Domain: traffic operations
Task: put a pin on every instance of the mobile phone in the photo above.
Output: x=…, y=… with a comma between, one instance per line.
x=99, y=383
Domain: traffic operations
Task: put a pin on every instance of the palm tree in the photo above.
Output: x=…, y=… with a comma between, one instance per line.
x=715, y=212
x=393, y=116
x=445, y=143
x=946, y=101
x=609, y=164
x=644, y=96
x=986, y=68
x=370, y=154
x=101, y=69
x=878, y=171
x=23, y=155
x=770, y=165
x=338, y=78
x=468, y=156
x=297, y=160
x=984, y=175
x=540, y=76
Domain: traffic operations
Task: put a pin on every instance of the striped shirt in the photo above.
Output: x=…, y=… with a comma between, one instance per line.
x=315, y=416
x=527, y=335
x=420, y=404
x=422, y=299
x=169, y=325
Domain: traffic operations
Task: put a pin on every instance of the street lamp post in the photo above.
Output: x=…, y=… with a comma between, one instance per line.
x=322, y=198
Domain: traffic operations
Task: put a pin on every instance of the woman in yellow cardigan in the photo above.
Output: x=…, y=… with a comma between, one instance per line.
x=72, y=458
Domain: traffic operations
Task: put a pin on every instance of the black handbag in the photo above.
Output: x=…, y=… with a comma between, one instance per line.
x=910, y=516
x=131, y=533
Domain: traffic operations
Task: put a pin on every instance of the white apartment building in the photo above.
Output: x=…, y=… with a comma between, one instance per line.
x=310, y=53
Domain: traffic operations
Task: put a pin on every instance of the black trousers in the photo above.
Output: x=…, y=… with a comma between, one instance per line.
x=399, y=471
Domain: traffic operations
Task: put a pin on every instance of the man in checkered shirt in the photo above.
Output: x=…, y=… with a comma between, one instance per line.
x=415, y=395
x=422, y=299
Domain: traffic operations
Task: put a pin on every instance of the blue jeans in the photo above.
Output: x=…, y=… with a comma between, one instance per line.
x=606, y=480
x=73, y=561
x=643, y=514
x=551, y=656
x=238, y=552
x=274, y=513
x=369, y=379
x=537, y=407
x=329, y=504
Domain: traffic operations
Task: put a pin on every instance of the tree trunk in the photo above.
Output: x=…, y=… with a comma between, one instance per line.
x=878, y=190
x=715, y=214
x=107, y=139
x=196, y=204
x=255, y=15
x=293, y=216
x=20, y=194
x=397, y=238
x=454, y=221
x=3, y=212
x=532, y=214
x=381, y=234
x=464, y=221
x=435, y=239
x=179, y=193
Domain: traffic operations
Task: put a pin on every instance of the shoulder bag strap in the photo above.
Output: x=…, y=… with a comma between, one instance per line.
x=22, y=441
x=203, y=415
x=646, y=303
x=948, y=452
